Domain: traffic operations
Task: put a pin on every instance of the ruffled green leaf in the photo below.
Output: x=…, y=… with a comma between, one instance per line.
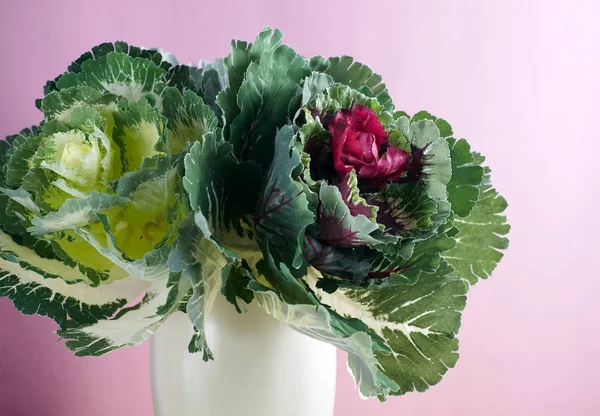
x=19, y=158
x=442, y=125
x=346, y=333
x=430, y=164
x=189, y=119
x=39, y=182
x=341, y=97
x=59, y=104
x=48, y=287
x=345, y=70
x=142, y=232
x=222, y=191
x=481, y=235
x=132, y=325
x=313, y=85
x=405, y=261
x=118, y=74
x=405, y=210
x=207, y=81
x=139, y=130
x=74, y=214
x=463, y=188
x=237, y=62
x=263, y=98
x=418, y=323
x=102, y=50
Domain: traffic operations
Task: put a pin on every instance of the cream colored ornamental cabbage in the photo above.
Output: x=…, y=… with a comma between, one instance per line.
x=91, y=199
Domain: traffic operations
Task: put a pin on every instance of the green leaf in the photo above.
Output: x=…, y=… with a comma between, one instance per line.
x=102, y=50
x=341, y=97
x=341, y=263
x=345, y=70
x=278, y=276
x=418, y=323
x=337, y=224
x=264, y=98
x=139, y=235
x=431, y=158
x=19, y=158
x=132, y=325
x=442, y=125
x=236, y=278
x=313, y=85
x=201, y=263
x=59, y=104
x=463, y=188
x=189, y=119
x=40, y=182
x=405, y=210
x=282, y=213
x=243, y=54
x=139, y=129
x=118, y=74
x=48, y=287
x=222, y=191
x=74, y=214
x=348, y=334
x=481, y=235
x=407, y=260
x=207, y=81
x=237, y=62
x=153, y=55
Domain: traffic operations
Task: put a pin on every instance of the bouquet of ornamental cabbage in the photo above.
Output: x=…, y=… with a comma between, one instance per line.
x=265, y=177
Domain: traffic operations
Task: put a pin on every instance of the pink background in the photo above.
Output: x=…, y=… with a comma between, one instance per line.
x=519, y=79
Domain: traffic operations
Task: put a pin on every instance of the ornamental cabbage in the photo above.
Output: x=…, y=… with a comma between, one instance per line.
x=345, y=219
x=92, y=197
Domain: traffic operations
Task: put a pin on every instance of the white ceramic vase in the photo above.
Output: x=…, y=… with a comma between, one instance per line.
x=261, y=368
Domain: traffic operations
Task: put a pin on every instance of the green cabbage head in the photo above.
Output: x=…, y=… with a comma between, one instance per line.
x=93, y=196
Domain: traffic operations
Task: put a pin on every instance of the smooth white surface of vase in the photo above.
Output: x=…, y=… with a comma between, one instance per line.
x=261, y=368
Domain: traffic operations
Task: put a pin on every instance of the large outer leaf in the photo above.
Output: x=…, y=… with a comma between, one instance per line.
x=39, y=285
x=481, y=235
x=418, y=323
x=221, y=191
x=282, y=212
x=321, y=324
x=200, y=262
x=263, y=98
x=132, y=325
